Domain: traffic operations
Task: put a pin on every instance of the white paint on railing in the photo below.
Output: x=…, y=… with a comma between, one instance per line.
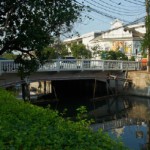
x=8, y=66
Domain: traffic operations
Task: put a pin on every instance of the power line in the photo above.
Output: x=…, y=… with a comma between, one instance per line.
x=117, y=6
x=99, y=12
x=110, y=16
x=140, y=1
x=114, y=2
x=134, y=3
x=111, y=9
x=98, y=19
x=131, y=23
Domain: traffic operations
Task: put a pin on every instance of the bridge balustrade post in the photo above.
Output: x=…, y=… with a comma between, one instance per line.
x=121, y=65
x=107, y=65
x=58, y=61
x=139, y=66
x=82, y=66
x=103, y=65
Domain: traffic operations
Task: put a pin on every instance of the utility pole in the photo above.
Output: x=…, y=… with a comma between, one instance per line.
x=147, y=22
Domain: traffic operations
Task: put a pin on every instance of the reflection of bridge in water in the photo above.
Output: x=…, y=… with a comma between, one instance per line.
x=119, y=123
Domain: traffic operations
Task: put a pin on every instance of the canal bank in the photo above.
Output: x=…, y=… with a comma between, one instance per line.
x=140, y=83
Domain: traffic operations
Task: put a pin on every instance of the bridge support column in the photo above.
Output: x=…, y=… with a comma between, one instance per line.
x=25, y=91
x=44, y=87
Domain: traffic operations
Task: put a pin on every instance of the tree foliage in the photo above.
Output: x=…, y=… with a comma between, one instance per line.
x=80, y=51
x=27, y=66
x=145, y=42
x=24, y=126
x=54, y=52
x=30, y=25
x=96, y=50
x=8, y=55
x=113, y=55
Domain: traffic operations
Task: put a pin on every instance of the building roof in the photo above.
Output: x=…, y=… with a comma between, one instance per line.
x=79, y=38
x=130, y=29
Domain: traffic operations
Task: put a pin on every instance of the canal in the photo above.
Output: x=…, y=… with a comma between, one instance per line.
x=133, y=128
x=123, y=116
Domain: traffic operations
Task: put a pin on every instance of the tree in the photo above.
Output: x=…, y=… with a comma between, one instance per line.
x=113, y=55
x=25, y=69
x=54, y=52
x=8, y=55
x=145, y=42
x=96, y=50
x=79, y=51
x=29, y=25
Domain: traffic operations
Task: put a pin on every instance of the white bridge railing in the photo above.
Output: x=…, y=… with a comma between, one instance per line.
x=8, y=66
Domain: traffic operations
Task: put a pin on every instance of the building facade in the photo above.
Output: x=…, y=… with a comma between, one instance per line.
x=126, y=39
x=83, y=39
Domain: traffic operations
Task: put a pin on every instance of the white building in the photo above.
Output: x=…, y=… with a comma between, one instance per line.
x=124, y=38
x=83, y=39
x=119, y=37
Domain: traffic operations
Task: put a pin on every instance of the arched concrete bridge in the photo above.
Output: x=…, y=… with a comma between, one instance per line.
x=65, y=69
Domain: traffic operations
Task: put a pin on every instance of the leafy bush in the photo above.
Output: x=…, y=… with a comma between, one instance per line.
x=80, y=51
x=113, y=55
x=24, y=126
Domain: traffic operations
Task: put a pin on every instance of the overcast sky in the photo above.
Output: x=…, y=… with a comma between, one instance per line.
x=103, y=12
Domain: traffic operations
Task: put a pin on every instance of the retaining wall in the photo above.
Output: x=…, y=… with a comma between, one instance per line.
x=140, y=83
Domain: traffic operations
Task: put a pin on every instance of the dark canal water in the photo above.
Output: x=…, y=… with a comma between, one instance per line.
x=71, y=95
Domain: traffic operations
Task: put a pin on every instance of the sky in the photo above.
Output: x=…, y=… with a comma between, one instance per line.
x=104, y=12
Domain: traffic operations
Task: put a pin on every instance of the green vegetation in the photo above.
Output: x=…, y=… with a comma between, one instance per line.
x=144, y=55
x=145, y=42
x=54, y=52
x=24, y=126
x=113, y=55
x=33, y=25
x=132, y=58
x=30, y=27
x=80, y=51
x=10, y=56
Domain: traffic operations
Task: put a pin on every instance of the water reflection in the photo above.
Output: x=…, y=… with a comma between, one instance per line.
x=135, y=136
x=140, y=109
x=132, y=129
x=129, y=137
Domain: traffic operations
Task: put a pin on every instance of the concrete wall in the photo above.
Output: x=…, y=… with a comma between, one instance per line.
x=140, y=83
x=8, y=78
